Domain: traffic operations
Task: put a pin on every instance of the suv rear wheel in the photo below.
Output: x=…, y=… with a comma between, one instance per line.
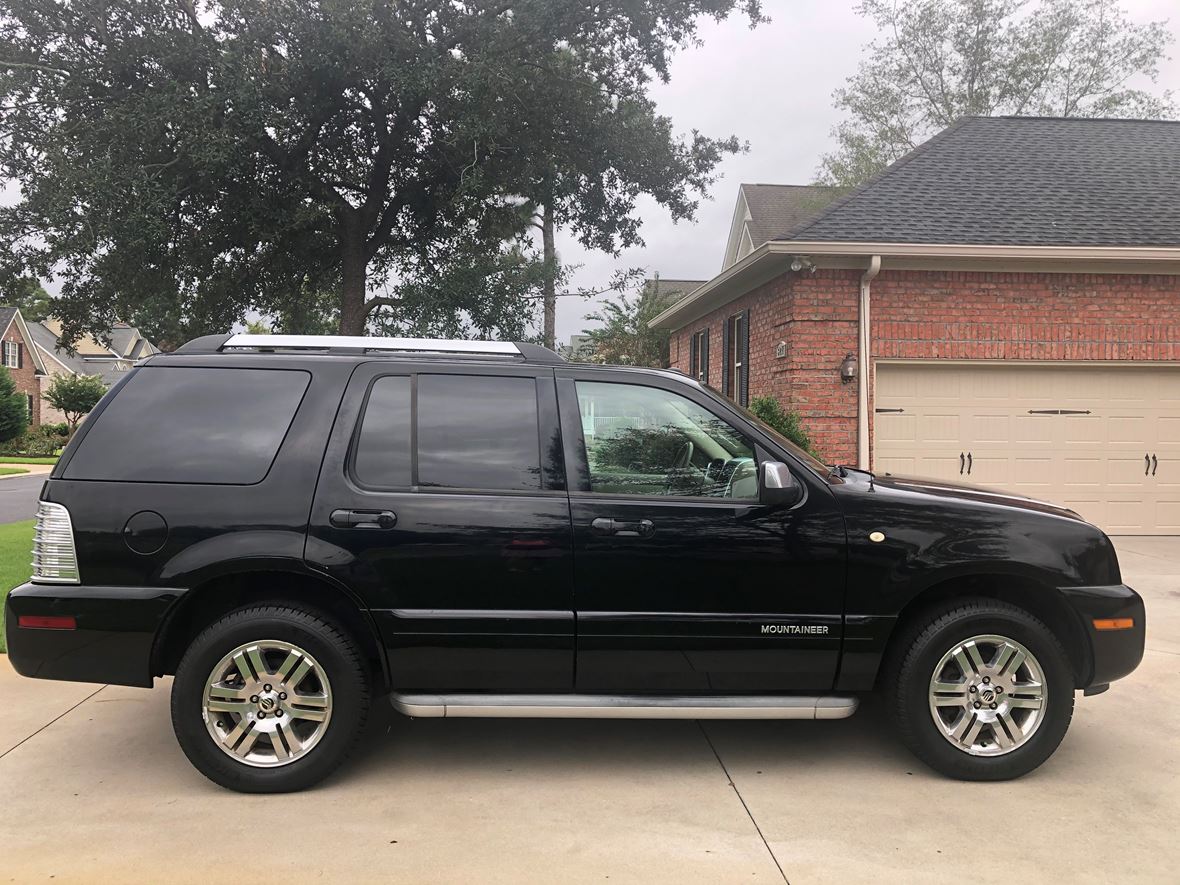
x=984, y=691
x=270, y=699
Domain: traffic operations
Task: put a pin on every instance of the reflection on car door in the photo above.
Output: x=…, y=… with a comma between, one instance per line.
x=683, y=582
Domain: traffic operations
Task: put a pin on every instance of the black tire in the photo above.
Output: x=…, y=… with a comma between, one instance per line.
x=333, y=650
x=922, y=647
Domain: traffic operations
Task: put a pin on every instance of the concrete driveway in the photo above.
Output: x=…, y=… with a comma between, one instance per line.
x=95, y=789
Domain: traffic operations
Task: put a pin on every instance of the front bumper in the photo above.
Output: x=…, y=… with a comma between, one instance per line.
x=116, y=629
x=1113, y=653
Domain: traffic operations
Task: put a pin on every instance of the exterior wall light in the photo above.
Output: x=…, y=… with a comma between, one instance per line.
x=848, y=369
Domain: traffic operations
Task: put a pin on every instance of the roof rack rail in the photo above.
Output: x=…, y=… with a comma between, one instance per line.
x=362, y=344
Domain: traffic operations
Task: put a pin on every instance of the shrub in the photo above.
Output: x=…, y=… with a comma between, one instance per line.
x=788, y=423
x=14, y=409
x=37, y=441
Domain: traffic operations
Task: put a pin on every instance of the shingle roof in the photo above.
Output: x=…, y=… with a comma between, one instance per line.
x=1021, y=181
x=6, y=315
x=105, y=364
x=777, y=209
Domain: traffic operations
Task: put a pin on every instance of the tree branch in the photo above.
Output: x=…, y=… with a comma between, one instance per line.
x=380, y=301
x=30, y=66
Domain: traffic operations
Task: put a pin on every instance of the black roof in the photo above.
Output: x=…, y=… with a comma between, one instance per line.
x=776, y=209
x=1038, y=181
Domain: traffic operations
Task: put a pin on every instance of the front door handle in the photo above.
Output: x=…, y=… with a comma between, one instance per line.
x=968, y=463
x=962, y=463
x=363, y=519
x=643, y=528
x=1146, y=464
x=1154, y=464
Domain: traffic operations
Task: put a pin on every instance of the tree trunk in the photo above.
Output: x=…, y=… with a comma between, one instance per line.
x=353, y=269
x=550, y=291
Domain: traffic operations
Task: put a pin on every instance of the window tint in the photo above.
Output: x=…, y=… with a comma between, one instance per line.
x=646, y=441
x=171, y=424
x=383, y=446
x=478, y=432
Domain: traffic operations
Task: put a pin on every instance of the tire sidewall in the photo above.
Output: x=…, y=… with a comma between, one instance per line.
x=918, y=669
x=331, y=651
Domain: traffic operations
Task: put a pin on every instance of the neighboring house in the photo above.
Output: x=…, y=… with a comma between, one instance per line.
x=578, y=350
x=90, y=357
x=21, y=358
x=999, y=307
x=764, y=211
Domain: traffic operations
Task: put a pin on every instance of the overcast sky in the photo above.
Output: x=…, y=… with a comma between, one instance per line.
x=773, y=88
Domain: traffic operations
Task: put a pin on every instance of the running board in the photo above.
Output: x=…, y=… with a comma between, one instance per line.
x=587, y=706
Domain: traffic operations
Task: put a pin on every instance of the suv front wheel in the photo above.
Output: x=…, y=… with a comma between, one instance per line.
x=984, y=691
x=270, y=699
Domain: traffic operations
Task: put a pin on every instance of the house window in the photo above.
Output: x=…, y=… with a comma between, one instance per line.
x=735, y=358
x=699, y=356
x=12, y=354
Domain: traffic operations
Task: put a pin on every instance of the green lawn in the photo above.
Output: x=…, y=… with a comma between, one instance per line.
x=27, y=459
x=6, y=471
x=16, y=553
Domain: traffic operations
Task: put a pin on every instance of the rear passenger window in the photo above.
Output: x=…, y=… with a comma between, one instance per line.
x=473, y=432
x=173, y=424
x=478, y=432
x=383, y=446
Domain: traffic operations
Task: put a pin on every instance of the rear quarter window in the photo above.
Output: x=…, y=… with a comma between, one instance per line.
x=191, y=425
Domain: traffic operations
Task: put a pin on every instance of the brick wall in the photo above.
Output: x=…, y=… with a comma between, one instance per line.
x=933, y=315
x=26, y=376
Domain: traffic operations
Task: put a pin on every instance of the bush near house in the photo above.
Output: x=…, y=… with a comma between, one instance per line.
x=14, y=410
x=788, y=423
x=44, y=441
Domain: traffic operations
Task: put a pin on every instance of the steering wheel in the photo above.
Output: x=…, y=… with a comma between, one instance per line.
x=679, y=464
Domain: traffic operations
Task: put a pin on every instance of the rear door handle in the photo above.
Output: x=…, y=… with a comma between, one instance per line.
x=962, y=463
x=643, y=528
x=968, y=463
x=1154, y=464
x=363, y=519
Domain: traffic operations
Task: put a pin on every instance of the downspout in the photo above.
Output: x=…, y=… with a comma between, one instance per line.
x=862, y=369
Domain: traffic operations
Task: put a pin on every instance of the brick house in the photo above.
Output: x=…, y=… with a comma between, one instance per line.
x=20, y=357
x=999, y=307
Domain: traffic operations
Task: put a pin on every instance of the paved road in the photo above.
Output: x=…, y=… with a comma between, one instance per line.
x=96, y=790
x=18, y=497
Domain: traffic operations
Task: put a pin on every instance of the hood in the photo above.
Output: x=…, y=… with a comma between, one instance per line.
x=938, y=488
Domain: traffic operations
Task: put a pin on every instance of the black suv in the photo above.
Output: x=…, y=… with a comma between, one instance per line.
x=292, y=525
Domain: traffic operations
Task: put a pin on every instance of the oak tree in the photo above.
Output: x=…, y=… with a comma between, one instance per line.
x=184, y=162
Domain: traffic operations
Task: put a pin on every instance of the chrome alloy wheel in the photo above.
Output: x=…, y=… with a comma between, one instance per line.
x=987, y=695
x=267, y=703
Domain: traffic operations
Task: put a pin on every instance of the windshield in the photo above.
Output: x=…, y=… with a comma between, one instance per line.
x=802, y=454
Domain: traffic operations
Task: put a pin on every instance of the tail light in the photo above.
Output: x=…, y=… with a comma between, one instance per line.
x=54, y=558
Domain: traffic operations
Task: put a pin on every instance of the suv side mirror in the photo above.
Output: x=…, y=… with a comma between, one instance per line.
x=777, y=486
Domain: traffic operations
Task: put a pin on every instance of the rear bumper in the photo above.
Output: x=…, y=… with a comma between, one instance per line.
x=1114, y=653
x=116, y=628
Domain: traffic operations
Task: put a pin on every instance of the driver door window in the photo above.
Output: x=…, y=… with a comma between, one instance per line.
x=647, y=441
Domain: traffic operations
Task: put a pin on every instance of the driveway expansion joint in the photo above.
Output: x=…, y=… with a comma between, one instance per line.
x=741, y=799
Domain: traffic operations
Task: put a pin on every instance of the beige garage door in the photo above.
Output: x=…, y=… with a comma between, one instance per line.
x=1104, y=441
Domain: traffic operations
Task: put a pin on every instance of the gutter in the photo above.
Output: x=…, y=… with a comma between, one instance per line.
x=772, y=258
x=863, y=363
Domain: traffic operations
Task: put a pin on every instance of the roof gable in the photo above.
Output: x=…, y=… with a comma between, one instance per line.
x=1021, y=181
x=769, y=211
